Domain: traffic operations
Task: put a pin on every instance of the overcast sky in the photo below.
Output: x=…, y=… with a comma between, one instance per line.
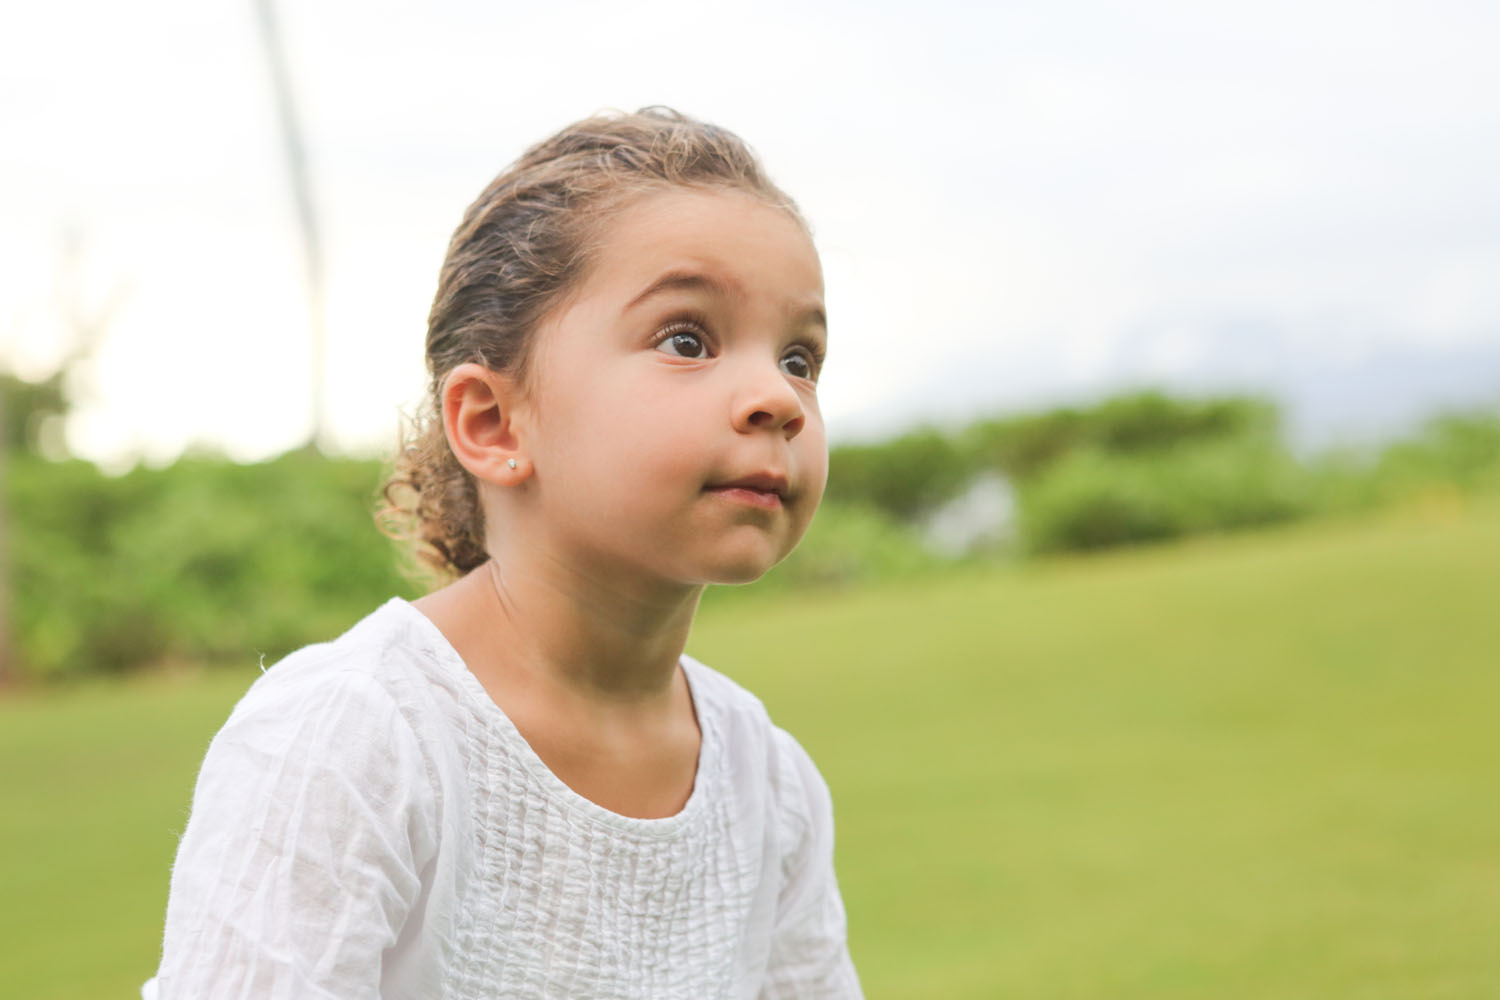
x=1015, y=204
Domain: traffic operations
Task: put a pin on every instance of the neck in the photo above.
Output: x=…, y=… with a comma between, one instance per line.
x=544, y=625
x=587, y=671
x=598, y=637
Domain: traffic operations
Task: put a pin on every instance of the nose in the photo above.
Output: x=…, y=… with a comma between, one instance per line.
x=768, y=402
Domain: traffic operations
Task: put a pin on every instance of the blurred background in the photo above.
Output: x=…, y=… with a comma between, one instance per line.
x=1147, y=633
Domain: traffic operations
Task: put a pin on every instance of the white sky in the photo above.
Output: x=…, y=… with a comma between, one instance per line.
x=1014, y=203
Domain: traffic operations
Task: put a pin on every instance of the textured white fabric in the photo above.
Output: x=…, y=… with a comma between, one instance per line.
x=368, y=823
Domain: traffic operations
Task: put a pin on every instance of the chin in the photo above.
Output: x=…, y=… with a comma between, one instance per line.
x=743, y=568
x=738, y=576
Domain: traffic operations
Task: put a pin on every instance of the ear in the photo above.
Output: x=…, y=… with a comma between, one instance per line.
x=480, y=407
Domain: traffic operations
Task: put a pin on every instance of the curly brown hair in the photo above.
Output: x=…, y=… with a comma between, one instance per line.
x=524, y=243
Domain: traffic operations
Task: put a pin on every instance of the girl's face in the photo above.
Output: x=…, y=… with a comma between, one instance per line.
x=675, y=433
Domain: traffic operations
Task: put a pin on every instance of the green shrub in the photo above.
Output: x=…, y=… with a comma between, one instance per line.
x=1457, y=449
x=911, y=475
x=1023, y=447
x=203, y=560
x=1094, y=499
x=1450, y=454
x=207, y=560
x=903, y=477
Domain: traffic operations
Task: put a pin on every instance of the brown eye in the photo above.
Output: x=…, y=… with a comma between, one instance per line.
x=683, y=345
x=798, y=365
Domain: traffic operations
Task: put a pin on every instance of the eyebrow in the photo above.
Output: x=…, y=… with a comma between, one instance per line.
x=678, y=280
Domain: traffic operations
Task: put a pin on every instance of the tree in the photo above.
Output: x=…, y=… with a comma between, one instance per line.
x=28, y=409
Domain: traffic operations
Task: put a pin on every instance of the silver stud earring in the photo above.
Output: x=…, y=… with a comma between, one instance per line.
x=511, y=462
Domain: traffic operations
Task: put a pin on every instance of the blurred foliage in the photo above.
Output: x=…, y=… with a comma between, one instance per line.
x=904, y=476
x=25, y=408
x=202, y=560
x=1143, y=423
x=1094, y=498
x=919, y=471
x=206, y=560
x=1461, y=449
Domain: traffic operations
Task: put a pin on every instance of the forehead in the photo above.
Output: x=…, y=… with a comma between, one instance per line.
x=755, y=247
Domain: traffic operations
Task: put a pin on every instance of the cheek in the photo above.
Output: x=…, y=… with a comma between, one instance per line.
x=814, y=439
x=822, y=475
x=643, y=422
x=623, y=450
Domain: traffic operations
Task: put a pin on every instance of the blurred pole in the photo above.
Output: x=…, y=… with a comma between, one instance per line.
x=7, y=662
x=296, y=156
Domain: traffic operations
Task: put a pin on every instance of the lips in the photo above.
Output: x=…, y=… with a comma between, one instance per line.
x=764, y=490
x=761, y=482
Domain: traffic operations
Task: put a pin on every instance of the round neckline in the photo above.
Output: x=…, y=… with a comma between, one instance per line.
x=557, y=789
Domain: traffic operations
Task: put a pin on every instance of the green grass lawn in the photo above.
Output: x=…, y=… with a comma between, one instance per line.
x=1263, y=766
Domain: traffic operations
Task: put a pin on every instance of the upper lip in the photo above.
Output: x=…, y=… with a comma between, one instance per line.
x=765, y=482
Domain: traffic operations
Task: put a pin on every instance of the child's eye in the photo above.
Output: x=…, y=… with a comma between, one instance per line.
x=683, y=344
x=801, y=363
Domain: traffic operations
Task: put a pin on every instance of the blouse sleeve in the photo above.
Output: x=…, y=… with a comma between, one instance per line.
x=302, y=855
x=809, y=946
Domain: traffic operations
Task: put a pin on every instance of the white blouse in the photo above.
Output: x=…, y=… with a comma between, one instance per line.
x=368, y=823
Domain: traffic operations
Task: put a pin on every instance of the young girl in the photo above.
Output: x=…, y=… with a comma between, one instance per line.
x=519, y=786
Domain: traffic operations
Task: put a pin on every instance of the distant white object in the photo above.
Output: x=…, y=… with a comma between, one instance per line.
x=982, y=516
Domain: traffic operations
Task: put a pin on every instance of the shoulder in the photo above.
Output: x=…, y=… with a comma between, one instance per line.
x=763, y=753
x=315, y=813
x=361, y=702
x=723, y=697
x=808, y=951
x=384, y=660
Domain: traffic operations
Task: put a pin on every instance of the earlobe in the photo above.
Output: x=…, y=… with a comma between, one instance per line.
x=479, y=411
